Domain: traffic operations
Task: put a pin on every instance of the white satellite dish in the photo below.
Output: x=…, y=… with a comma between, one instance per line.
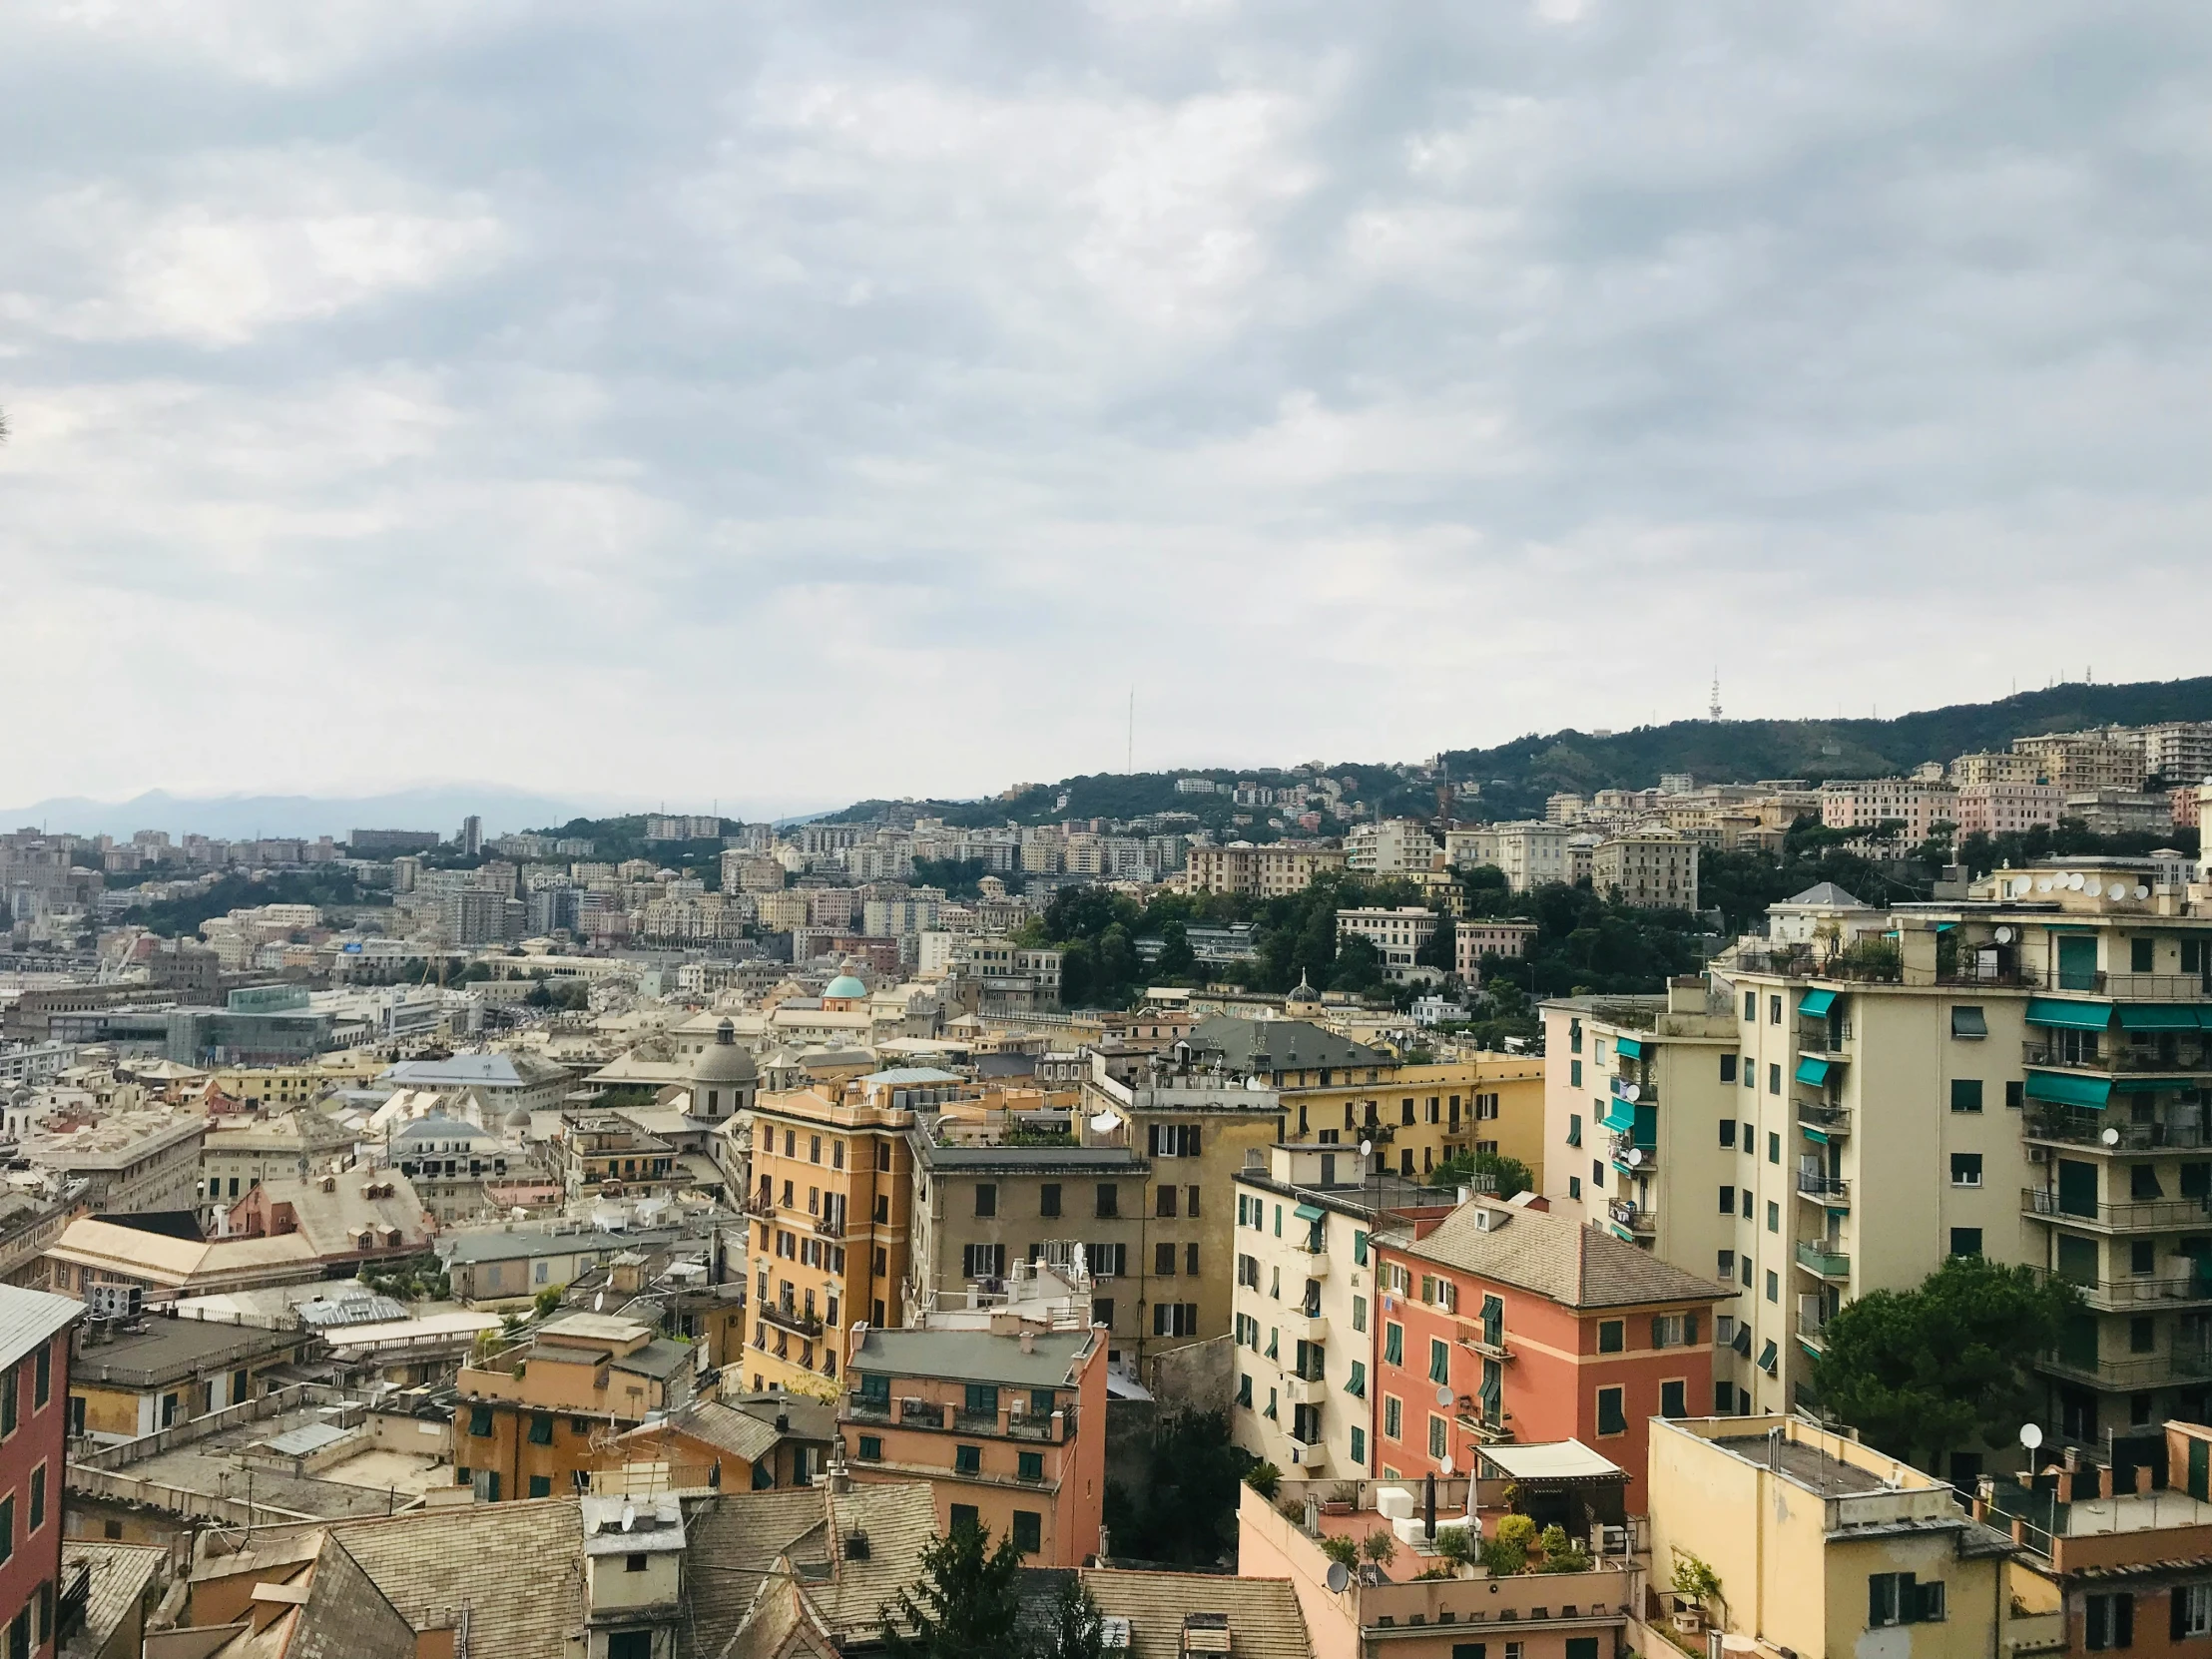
x=629, y=1516
x=1103, y=1124
x=2141, y=891
x=2110, y=1137
x=1367, y=1149
x=1340, y=1576
x=2031, y=1435
x=2004, y=935
x=1630, y=1093
x=2044, y=886
x=2117, y=890
x=2076, y=881
x=1635, y=1156
x=599, y=1303
x=1444, y=1397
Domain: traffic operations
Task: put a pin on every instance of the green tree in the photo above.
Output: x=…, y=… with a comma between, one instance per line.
x=1177, y=959
x=969, y=1600
x=1943, y=1364
x=1441, y=949
x=1076, y=1631
x=1510, y=1173
x=1185, y=1510
x=1358, y=967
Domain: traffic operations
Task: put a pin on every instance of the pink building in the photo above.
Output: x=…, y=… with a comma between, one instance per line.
x=1864, y=803
x=1476, y=939
x=2007, y=808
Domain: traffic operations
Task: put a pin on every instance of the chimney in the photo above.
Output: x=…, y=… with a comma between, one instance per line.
x=1028, y=1340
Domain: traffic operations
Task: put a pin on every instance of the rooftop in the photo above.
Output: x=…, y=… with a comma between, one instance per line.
x=1280, y=1044
x=170, y=1350
x=1573, y=1264
x=1052, y=1362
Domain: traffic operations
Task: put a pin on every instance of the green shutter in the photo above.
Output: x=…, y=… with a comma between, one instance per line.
x=2157, y=1016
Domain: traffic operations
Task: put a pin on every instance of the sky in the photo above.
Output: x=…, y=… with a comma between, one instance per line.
x=779, y=404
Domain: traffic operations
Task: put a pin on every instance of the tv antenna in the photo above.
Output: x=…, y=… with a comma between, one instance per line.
x=1714, y=708
x=1128, y=758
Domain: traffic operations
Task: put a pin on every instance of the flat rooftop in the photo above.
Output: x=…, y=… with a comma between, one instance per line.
x=1808, y=1465
x=373, y=1482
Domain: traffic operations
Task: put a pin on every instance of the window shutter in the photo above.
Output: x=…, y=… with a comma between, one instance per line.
x=1689, y=1328
x=2124, y=1620
x=1877, y=1612
x=2177, y=1605
x=1152, y=1139
x=1658, y=1332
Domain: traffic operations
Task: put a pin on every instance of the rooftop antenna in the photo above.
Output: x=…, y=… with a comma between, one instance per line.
x=1715, y=709
x=1129, y=760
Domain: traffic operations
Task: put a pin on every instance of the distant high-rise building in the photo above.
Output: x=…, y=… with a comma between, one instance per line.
x=471, y=838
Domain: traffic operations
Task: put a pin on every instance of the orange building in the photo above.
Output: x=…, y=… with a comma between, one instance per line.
x=533, y=1417
x=832, y=1190
x=1502, y=1323
x=1008, y=1428
x=746, y=1442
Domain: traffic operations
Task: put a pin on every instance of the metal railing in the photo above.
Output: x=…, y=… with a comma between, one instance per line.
x=2140, y=1215
x=1831, y=1120
x=1623, y=1145
x=1829, y=1263
x=2116, y=1057
x=1814, y=1184
x=2139, y=987
x=1632, y=1216
x=2088, y=1129
x=2146, y=1370
x=2125, y=1294
x=790, y=1319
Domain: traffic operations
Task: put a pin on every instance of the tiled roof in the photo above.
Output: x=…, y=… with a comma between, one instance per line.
x=432, y=1563
x=899, y=1520
x=121, y=1574
x=739, y=1536
x=346, y=1616
x=1051, y=1359
x=1264, y=1617
x=1288, y=1044
x=748, y=1431
x=29, y=1318
x=1576, y=1266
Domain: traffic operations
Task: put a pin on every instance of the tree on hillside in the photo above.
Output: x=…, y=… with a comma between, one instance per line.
x=969, y=1600
x=1358, y=967
x=1177, y=959
x=1943, y=1364
x=1185, y=1510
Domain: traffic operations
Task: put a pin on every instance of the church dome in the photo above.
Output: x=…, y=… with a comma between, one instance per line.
x=725, y=1060
x=847, y=987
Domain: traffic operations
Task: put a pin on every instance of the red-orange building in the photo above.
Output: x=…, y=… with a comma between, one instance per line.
x=1500, y=1322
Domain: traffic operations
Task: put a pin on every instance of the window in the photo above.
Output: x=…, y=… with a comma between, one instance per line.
x=1356, y=1383
x=1670, y=1399
x=1612, y=1336
x=1439, y=1359
x=1728, y=1134
x=541, y=1428
x=479, y=1420
x=983, y=1261
x=1163, y=1260
x=1360, y=1447
x=1674, y=1331
x=1966, y=1241
x=1358, y=1313
x=1574, y=1129
x=1728, y=1068
x=1574, y=1074
x=1751, y=1005
x=42, y=1379
x=1774, y=1078
x=982, y=1399
x=1574, y=1186
x=1969, y=1024
x=1359, y=1249
x=1190, y=1260
x=2016, y=1095
x=1029, y=1465
x=1164, y=1201
x=986, y=1198
x=1189, y=1203
x=1028, y=1531
x=1727, y=1268
x=1612, y=1411
x=1393, y=1344
x=1728, y=1201
x=871, y=1449
x=1724, y=1398
x=1439, y=1445
x=38, y=1498
x=967, y=1460
x=1048, y=1199
x=1747, y=1203
x=2192, y=1611
x=1774, y=1147
x=541, y=1485
x=6, y=1527
x=1966, y=1094
x=1750, y=1073
x=965, y=1515
x=1175, y=1319
x=1773, y=1284
x=1393, y=1416
x=1965, y=1169
x=1774, y=1216
x=1109, y=1199
x=1102, y=1311
x=1574, y=1036
x=2108, y=1620
x=2142, y=956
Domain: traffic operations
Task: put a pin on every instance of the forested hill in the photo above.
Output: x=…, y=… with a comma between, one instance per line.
x=1515, y=776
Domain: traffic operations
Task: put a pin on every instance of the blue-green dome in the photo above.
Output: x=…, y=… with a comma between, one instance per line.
x=844, y=985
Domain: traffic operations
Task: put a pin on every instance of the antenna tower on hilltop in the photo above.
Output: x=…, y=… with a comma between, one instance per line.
x=1715, y=709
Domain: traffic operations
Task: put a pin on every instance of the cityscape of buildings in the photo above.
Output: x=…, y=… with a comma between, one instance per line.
x=655, y=1242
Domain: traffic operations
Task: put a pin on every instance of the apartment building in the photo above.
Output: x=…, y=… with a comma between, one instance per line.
x=131, y=1162
x=1868, y=802
x=532, y=1418
x=237, y=1154
x=1306, y=1302
x=1655, y=869
x=2120, y=812
x=1398, y=936
x=130, y=1383
x=1271, y=870
x=1822, y=1545
x=2008, y=808
x=1474, y=941
x=1395, y=847
x=1540, y=1329
x=833, y=1188
x=1995, y=766
x=1528, y=854
x=2087, y=760
x=2179, y=751
x=982, y=1210
x=34, y=1449
x=1006, y=1425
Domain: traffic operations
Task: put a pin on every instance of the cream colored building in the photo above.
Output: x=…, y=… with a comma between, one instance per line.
x=1868, y=802
x=1398, y=936
x=2086, y=760
x=1530, y=854
x=1997, y=766
x=1652, y=868
x=1393, y=847
x=1267, y=872
x=2010, y=808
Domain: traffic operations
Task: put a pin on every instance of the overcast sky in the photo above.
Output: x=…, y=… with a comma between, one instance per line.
x=781, y=404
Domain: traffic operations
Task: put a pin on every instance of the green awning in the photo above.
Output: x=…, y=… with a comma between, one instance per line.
x=2063, y=1089
x=2151, y=1085
x=1815, y=1002
x=1809, y=1070
x=2068, y=1016
x=1630, y=1048
x=1619, y=1114
x=1306, y=1211
x=2157, y=1016
x=1819, y=1135
x=1621, y=1232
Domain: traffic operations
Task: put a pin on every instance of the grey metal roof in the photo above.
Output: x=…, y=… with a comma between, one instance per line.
x=351, y=1310
x=1828, y=896
x=1281, y=1045
x=306, y=1438
x=909, y=1075
x=29, y=1318
x=976, y=1357
x=496, y=1245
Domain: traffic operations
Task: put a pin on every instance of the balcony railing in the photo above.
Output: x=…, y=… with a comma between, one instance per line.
x=2088, y=1129
x=2138, y=1215
x=1828, y=1120
x=790, y=1319
x=2139, y=987
x=2184, y=1363
x=1486, y=1428
x=1648, y=1158
x=2120, y=1296
x=1830, y=1189
x=1829, y=1263
x=1632, y=1216
x=2119, y=1058
x=830, y=1227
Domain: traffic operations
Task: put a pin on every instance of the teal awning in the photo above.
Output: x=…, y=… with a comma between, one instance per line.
x=1631, y=1048
x=2062, y=1089
x=2068, y=1016
x=1819, y=1135
x=2151, y=1085
x=1809, y=1070
x=1619, y=1114
x=2157, y=1016
x=1306, y=1211
x=1815, y=1002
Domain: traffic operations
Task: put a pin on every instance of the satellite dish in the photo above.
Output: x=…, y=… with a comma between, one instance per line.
x=1340, y=1576
x=1367, y=1149
x=2110, y=1137
x=2044, y=886
x=599, y=1303
x=1103, y=1124
x=1635, y=1156
x=2076, y=881
x=2031, y=1435
x=1444, y=1397
x=2141, y=891
x=1444, y=1468
x=2117, y=890
x=2004, y=935
x=629, y=1516
x=1630, y=1093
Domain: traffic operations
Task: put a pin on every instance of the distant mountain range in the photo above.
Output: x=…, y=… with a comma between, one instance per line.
x=248, y=817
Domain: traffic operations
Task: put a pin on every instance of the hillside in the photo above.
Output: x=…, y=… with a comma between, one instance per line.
x=1516, y=777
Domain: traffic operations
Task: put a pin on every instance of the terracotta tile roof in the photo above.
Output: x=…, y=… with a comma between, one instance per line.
x=430, y=1564
x=1264, y=1617
x=1554, y=1256
x=900, y=1520
x=346, y=1616
x=729, y=1543
x=119, y=1575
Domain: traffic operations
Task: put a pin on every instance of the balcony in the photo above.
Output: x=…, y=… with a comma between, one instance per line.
x=1828, y=1120
x=2183, y=1365
x=1304, y=1327
x=2152, y=1215
x=1304, y=1390
x=2140, y=987
x=2116, y=1059
x=1634, y=1217
x=830, y=1227
x=2088, y=1130
x=1831, y=1190
x=1313, y=1262
x=1472, y=1339
x=790, y=1319
x=1633, y=1158
x=1826, y=1263
x=1489, y=1429
x=2129, y=1296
